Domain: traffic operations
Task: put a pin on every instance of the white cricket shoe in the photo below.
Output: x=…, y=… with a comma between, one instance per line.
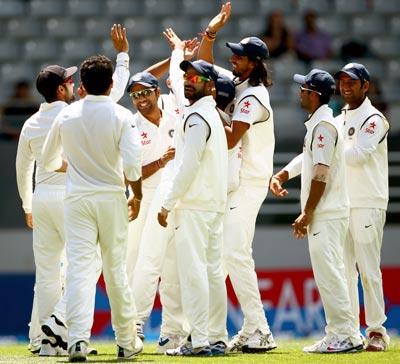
x=254, y=343
x=123, y=353
x=35, y=344
x=168, y=342
x=55, y=328
x=140, y=331
x=49, y=347
x=333, y=345
x=78, y=352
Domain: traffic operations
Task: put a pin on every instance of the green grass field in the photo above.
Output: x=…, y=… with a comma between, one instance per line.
x=287, y=352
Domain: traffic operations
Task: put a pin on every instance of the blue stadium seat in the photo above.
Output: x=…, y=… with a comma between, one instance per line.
x=367, y=25
x=24, y=28
x=124, y=8
x=43, y=8
x=266, y=6
x=387, y=6
x=184, y=27
x=84, y=8
x=63, y=27
x=142, y=27
x=386, y=46
x=201, y=8
x=11, y=8
x=40, y=49
x=161, y=7
x=320, y=6
x=351, y=6
x=333, y=25
x=97, y=27
x=11, y=72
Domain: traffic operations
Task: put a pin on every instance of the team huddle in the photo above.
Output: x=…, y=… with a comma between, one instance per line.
x=197, y=164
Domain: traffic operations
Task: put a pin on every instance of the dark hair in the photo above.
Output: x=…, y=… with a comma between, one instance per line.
x=324, y=99
x=49, y=94
x=96, y=74
x=259, y=74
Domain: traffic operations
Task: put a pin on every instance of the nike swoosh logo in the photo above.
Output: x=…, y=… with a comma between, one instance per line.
x=190, y=125
x=176, y=229
x=231, y=208
x=132, y=126
x=163, y=342
x=367, y=226
x=315, y=234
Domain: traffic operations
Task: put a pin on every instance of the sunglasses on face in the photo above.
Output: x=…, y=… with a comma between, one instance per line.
x=195, y=78
x=146, y=92
x=309, y=90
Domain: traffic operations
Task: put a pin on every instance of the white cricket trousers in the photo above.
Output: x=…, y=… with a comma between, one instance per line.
x=326, y=243
x=157, y=258
x=239, y=226
x=48, y=246
x=101, y=218
x=198, y=238
x=363, y=251
x=135, y=229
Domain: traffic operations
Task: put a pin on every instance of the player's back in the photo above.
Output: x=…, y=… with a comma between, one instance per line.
x=94, y=133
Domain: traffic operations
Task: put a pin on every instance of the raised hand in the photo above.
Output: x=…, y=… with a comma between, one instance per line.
x=191, y=48
x=219, y=20
x=119, y=39
x=173, y=40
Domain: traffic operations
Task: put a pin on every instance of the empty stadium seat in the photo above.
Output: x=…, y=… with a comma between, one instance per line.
x=329, y=65
x=393, y=68
x=199, y=8
x=11, y=8
x=154, y=49
x=266, y=6
x=333, y=25
x=84, y=8
x=254, y=25
x=386, y=6
x=44, y=8
x=24, y=28
x=79, y=49
x=97, y=27
x=124, y=7
x=367, y=25
x=161, y=7
x=320, y=6
x=391, y=90
x=9, y=50
x=386, y=46
x=243, y=7
x=351, y=6
x=11, y=72
x=184, y=27
x=395, y=25
x=284, y=68
x=63, y=27
x=40, y=49
x=142, y=27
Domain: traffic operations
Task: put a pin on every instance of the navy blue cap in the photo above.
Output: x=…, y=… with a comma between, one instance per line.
x=225, y=90
x=252, y=47
x=356, y=71
x=317, y=80
x=202, y=67
x=144, y=78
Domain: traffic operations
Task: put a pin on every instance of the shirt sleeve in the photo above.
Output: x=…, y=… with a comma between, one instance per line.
x=131, y=149
x=24, y=167
x=294, y=166
x=249, y=110
x=120, y=76
x=323, y=143
x=196, y=134
x=368, y=139
x=52, y=147
x=176, y=78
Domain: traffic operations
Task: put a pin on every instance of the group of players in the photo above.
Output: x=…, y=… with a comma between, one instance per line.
x=197, y=163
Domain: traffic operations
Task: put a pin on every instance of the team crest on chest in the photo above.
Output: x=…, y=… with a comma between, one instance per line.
x=351, y=131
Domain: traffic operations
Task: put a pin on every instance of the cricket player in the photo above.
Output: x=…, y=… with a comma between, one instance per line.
x=365, y=132
x=198, y=195
x=325, y=210
x=101, y=147
x=55, y=83
x=252, y=125
x=156, y=130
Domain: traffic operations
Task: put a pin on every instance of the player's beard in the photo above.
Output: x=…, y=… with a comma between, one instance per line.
x=193, y=94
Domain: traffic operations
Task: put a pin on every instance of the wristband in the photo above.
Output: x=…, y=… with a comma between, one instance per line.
x=210, y=36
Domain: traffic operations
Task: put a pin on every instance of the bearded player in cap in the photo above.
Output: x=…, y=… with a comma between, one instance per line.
x=44, y=208
x=252, y=125
x=365, y=132
x=325, y=210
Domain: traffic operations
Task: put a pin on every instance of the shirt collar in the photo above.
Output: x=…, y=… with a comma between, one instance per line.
x=203, y=101
x=97, y=98
x=324, y=112
x=354, y=112
x=240, y=86
x=45, y=106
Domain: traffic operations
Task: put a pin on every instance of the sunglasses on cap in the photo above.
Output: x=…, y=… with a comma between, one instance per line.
x=309, y=90
x=195, y=78
x=146, y=92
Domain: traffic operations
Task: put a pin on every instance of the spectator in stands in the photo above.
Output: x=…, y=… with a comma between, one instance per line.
x=276, y=35
x=17, y=109
x=375, y=94
x=311, y=42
